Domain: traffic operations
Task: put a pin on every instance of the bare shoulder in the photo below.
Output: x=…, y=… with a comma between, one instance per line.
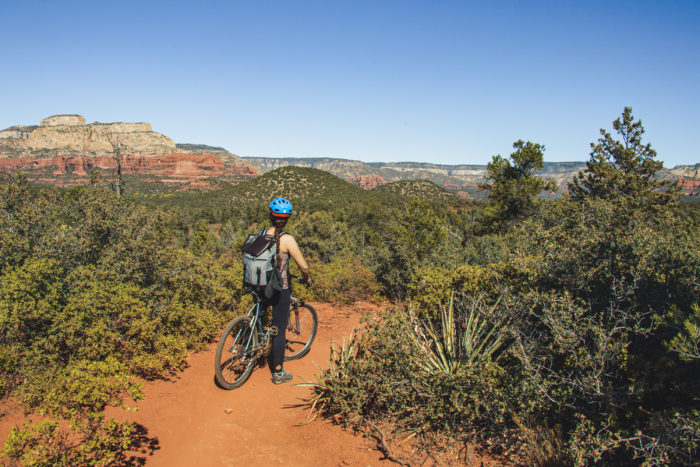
x=287, y=241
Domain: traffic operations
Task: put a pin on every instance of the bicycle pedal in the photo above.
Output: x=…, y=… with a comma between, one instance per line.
x=273, y=331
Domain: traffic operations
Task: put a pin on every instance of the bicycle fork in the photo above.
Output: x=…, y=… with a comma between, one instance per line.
x=295, y=308
x=295, y=328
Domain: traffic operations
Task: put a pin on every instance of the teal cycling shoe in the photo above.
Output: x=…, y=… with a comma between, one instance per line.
x=281, y=377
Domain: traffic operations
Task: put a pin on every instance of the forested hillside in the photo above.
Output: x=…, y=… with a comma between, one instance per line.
x=548, y=332
x=417, y=188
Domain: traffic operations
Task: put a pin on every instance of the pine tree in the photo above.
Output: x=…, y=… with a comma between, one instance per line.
x=623, y=169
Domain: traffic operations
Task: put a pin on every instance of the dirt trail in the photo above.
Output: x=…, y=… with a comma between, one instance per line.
x=196, y=423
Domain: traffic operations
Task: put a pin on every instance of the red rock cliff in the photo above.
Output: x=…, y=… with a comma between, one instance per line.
x=173, y=165
x=689, y=186
x=368, y=181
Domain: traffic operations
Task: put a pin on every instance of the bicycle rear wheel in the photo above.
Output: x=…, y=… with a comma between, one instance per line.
x=301, y=331
x=236, y=353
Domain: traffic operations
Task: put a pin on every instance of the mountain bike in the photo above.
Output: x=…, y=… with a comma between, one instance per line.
x=246, y=342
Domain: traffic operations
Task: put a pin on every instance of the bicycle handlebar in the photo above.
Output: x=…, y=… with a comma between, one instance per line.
x=301, y=280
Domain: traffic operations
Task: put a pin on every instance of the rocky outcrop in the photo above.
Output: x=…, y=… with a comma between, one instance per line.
x=687, y=176
x=63, y=120
x=342, y=168
x=453, y=177
x=368, y=181
x=70, y=135
x=689, y=186
x=684, y=171
x=456, y=178
x=16, y=133
x=65, y=146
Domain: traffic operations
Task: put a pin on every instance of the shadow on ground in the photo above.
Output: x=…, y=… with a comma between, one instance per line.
x=143, y=446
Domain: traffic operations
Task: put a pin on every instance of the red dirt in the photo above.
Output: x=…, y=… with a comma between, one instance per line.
x=190, y=418
x=193, y=422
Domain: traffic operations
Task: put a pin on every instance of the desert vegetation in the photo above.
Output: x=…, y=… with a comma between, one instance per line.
x=548, y=332
x=569, y=337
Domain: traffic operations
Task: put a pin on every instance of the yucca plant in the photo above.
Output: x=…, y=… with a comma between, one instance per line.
x=340, y=356
x=452, y=349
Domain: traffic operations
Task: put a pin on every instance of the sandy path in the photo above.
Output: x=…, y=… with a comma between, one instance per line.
x=189, y=416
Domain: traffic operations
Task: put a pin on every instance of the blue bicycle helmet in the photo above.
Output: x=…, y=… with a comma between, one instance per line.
x=281, y=207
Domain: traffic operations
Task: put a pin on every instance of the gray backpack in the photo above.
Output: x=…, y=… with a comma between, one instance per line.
x=259, y=259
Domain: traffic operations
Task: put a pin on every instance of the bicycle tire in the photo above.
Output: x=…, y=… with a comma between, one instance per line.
x=234, y=347
x=302, y=332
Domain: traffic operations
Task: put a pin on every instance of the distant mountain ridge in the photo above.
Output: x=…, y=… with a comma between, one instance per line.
x=462, y=179
x=453, y=177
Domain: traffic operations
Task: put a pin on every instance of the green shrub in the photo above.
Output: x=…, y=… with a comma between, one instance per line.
x=388, y=374
x=78, y=395
x=604, y=310
x=343, y=280
x=322, y=236
x=431, y=287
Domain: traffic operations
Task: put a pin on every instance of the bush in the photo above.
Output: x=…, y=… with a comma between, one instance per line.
x=605, y=307
x=431, y=288
x=343, y=280
x=80, y=396
x=324, y=237
x=600, y=308
x=45, y=444
x=389, y=374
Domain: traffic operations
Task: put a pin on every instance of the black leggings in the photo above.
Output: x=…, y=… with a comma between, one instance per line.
x=280, y=318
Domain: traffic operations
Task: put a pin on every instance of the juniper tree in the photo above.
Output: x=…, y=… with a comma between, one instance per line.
x=513, y=186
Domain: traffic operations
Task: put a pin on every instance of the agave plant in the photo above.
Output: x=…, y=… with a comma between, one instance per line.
x=451, y=349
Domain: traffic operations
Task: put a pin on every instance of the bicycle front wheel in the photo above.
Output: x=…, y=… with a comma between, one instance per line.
x=301, y=331
x=236, y=353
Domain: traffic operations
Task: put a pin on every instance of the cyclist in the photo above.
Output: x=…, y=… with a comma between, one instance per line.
x=280, y=212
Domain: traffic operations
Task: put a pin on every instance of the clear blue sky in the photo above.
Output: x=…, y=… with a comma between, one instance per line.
x=431, y=81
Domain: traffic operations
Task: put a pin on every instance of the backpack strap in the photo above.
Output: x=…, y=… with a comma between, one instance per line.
x=263, y=232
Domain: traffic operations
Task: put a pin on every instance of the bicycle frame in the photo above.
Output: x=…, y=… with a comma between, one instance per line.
x=255, y=311
x=255, y=314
